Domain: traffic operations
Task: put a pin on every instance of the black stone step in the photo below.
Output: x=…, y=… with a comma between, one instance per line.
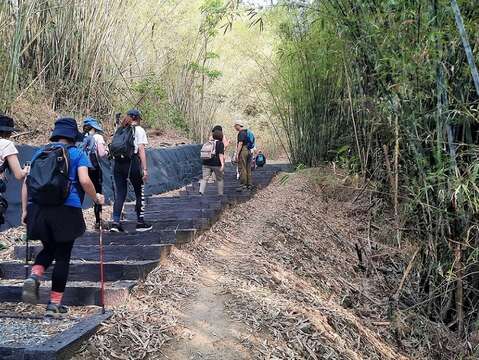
x=191, y=201
x=176, y=208
x=86, y=271
x=110, y=252
x=231, y=198
x=228, y=187
x=171, y=225
x=134, y=238
x=179, y=214
x=179, y=209
x=76, y=294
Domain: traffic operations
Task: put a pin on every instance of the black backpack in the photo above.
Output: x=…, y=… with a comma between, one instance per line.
x=123, y=143
x=48, y=181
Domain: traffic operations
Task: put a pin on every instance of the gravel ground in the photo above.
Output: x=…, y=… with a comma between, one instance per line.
x=27, y=331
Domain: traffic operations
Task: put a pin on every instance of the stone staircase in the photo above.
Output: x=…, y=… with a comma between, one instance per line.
x=130, y=257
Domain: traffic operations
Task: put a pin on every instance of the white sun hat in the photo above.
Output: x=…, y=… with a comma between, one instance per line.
x=238, y=121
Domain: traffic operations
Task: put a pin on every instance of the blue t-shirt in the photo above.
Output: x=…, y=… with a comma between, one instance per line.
x=77, y=159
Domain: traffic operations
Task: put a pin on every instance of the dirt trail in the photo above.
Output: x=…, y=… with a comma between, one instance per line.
x=276, y=278
x=265, y=265
x=209, y=332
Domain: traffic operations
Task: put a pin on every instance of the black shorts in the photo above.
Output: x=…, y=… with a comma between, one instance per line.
x=54, y=223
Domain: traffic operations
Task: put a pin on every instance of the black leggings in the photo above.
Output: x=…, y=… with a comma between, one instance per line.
x=61, y=253
x=96, y=177
x=56, y=227
x=122, y=171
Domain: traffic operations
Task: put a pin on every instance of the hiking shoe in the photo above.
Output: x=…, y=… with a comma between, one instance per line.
x=31, y=293
x=240, y=189
x=117, y=228
x=55, y=310
x=143, y=226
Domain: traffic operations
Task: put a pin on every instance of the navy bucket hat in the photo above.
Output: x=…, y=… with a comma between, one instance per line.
x=7, y=124
x=66, y=128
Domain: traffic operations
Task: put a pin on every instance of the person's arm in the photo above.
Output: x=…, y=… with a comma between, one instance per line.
x=88, y=186
x=226, y=142
x=238, y=150
x=222, y=161
x=220, y=148
x=15, y=167
x=24, y=202
x=144, y=165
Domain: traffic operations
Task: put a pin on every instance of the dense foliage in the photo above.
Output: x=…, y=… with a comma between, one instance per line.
x=385, y=87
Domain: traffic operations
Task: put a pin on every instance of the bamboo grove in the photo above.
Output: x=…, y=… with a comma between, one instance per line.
x=88, y=56
x=386, y=88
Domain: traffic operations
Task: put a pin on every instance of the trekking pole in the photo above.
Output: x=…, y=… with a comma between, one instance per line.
x=27, y=250
x=102, y=273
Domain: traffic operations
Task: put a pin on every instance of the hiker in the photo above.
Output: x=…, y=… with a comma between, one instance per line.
x=8, y=161
x=213, y=156
x=244, y=155
x=128, y=149
x=226, y=142
x=95, y=148
x=260, y=159
x=52, y=197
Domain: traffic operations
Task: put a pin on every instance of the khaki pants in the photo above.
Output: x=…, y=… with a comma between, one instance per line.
x=207, y=172
x=244, y=165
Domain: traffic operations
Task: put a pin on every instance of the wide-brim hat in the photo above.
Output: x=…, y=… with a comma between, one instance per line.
x=66, y=128
x=238, y=121
x=7, y=124
x=89, y=121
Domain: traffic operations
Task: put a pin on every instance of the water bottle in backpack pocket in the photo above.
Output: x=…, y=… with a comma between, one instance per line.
x=48, y=182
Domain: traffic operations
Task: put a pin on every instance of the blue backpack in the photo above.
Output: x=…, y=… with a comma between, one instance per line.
x=88, y=146
x=250, y=140
x=260, y=160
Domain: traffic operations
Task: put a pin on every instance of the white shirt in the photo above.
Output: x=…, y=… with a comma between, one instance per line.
x=140, y=137
x=101, y=147
x=7, y=148
x=99, y=139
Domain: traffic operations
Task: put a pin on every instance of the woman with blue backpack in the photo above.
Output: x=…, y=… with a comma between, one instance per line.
x=52, y=197
x=95, y=148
